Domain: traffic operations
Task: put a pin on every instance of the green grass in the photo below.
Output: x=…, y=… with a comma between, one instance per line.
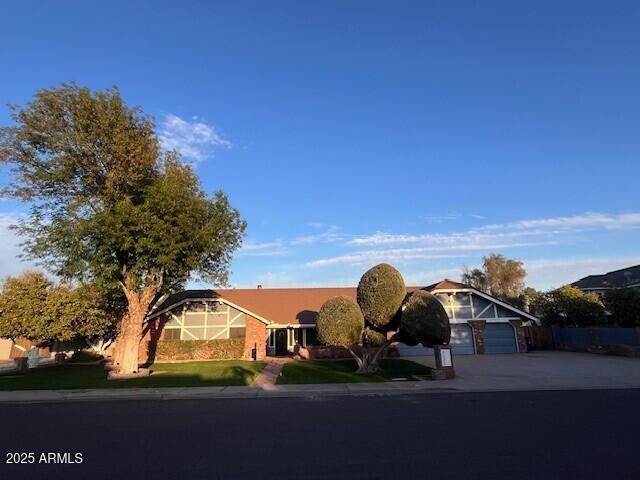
x=191, y=374
x=343, y=371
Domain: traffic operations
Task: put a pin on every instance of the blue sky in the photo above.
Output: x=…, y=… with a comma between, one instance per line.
x=424, y=134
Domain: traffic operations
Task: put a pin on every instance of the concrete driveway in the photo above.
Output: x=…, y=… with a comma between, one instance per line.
x=541, y=371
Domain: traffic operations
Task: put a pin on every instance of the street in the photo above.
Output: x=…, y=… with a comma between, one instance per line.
x=516, y=435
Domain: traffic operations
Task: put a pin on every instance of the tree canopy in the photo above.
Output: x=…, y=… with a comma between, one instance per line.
x=623, y=306
x=569, y=306
x=108, y=206
x=34, y=307
x=499, y=276
x=379, y=318
x=425, y=320
x=340, y=322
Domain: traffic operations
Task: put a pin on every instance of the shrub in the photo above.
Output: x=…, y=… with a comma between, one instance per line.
x=623, y=305
x=227, y=349
x=425, y=320
x=381, y=292
x=339, y=322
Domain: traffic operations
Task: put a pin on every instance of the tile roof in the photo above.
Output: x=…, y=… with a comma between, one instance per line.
x=624, y=277
x=282, y=305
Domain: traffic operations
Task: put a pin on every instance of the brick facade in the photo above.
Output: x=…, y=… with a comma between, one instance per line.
x=478, y=334
x=255, y=338
x=522, y=341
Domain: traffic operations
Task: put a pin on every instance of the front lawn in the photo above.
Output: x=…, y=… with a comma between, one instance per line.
x=343, y=371
x=191, y=374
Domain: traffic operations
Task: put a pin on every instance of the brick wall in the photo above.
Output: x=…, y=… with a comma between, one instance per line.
x=522, y=342
x=478, y=334
x=255, y=337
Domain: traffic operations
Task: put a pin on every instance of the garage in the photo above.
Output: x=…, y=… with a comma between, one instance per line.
x=499, y=338
x=462, y=339
x=461, y=343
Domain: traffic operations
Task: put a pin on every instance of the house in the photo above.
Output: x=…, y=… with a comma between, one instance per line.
x=624, y=278
x=274, y=320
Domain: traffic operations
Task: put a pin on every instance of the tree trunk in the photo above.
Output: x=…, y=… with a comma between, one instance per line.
x=371, y=359
x=128, y=342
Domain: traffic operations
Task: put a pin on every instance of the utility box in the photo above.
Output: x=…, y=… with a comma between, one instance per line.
x=444, y=362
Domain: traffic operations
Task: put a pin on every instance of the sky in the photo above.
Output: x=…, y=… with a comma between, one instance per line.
x=348, y=133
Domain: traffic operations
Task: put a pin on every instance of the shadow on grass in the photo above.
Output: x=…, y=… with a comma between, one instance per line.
x=191, y=374
x=343, y=371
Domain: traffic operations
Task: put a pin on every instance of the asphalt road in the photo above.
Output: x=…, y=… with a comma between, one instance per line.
x=519, y=435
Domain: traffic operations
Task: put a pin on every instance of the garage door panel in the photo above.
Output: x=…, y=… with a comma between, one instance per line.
x=461, y=339
x=499, y=338
x=461, y=343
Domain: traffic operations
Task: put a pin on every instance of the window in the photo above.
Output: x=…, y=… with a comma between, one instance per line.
x=204, y=321
x=171, y=334
x=312, y=337
x=236, y=332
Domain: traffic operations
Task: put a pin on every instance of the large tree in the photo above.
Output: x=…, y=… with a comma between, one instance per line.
x=383, y=314
x=34, y=307
x=623, y=306
x=108, y=206
x=500, y=276
x=569, y=306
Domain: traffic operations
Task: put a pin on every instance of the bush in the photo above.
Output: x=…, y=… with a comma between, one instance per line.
x=227, y=349
x=425, y=320
x=381, y=292
x=623, y=304
x=339, y=322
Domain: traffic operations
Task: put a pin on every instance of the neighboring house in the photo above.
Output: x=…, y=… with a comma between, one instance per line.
x=274, y=320
x=623, y=278
x=10, y=349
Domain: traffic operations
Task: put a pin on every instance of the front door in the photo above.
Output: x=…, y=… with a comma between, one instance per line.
x=281, y=342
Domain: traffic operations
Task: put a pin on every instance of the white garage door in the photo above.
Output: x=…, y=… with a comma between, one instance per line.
x=499, y=338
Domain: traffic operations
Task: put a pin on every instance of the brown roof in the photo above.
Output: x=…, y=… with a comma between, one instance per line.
x=284, y=305
x=280, y=305
x=446, y=284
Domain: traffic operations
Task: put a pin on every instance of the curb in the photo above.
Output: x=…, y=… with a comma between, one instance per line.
x=205, y=393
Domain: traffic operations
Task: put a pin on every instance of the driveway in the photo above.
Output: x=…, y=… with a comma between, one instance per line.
x=541, y=371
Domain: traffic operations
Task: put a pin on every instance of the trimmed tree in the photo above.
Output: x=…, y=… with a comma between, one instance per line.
x=340, y=322
x=33, y=307
x=110, y=208
x=378, y=318
x=425, y=320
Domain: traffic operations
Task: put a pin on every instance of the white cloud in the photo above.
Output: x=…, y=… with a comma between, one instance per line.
x=588, y=220
x=331, y=234
x=266, y=249
x=376, y=256
x=416, y=253
x=546, y=227
x=194, y=139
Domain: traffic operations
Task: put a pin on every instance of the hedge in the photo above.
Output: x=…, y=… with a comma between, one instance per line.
x=227, y=349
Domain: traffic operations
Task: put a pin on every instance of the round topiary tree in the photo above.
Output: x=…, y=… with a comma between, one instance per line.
x=424, y=320
x=381, y=292
x=340, y=322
